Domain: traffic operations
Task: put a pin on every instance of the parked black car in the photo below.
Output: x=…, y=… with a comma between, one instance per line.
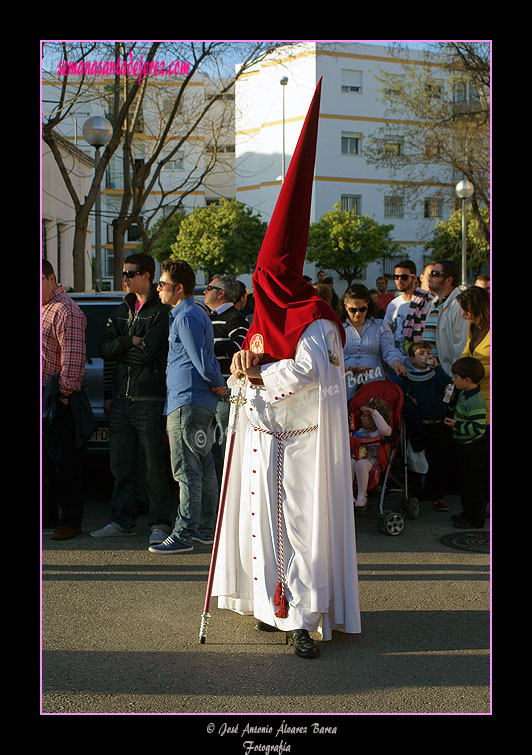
x=97, y=308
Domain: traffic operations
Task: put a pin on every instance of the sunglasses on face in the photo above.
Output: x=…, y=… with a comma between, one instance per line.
x=404, y=276
x=436, y=274
x=215, y=288
x=162, y=284
x=131, y=273
x=354, y=310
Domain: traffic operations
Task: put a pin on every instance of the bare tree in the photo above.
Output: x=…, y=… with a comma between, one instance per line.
x=74, y=56
x=438, y=118
x=184, y=118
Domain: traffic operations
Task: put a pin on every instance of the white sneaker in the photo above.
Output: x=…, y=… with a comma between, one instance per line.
x=362, y=500
x=113, y=530
x=157, y=536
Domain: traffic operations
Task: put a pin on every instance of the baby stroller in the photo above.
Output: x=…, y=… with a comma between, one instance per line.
x=389, y=522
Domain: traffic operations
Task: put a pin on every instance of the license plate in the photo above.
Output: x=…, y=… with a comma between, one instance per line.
x=100, y=436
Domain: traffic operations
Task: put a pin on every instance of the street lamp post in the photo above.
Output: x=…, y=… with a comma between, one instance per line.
x=464, y=190
x=283, y=82
x=97, y=131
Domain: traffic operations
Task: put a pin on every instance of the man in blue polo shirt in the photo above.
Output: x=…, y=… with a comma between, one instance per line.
x=193, y=381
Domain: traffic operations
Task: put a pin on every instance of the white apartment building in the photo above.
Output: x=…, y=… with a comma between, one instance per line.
x=352, y=107
x=259, y=116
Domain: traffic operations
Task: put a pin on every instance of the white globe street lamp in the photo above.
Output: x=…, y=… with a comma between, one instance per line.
x=464, y=190
x=97, y=131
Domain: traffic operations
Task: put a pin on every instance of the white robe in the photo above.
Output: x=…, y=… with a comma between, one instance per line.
x=318, y=532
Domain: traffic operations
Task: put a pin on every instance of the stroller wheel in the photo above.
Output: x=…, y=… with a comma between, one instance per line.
x=380, y=519
x=412, y=508
x=391, y=523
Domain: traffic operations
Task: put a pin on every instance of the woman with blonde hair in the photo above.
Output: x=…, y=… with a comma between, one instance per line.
x=475, y=303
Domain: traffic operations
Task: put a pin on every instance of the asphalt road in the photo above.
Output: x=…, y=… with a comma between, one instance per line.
x=120, y=634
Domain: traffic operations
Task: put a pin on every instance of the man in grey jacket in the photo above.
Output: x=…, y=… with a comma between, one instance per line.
x=445, y=326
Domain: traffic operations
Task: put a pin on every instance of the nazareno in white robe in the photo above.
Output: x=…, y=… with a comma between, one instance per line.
x=319, y=548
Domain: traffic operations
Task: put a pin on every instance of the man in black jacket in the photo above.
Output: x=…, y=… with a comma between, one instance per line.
x=230, y=329
x=136, y=339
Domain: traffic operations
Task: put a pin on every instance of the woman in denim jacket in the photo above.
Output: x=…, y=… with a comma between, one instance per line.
x=369, y=343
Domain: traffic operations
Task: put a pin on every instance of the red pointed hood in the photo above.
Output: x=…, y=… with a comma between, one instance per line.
x=285, y=304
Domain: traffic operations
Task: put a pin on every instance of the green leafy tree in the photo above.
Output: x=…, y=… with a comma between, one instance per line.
x=224, y=238
x=346, y=243
x=164, y=234
x=447, y=239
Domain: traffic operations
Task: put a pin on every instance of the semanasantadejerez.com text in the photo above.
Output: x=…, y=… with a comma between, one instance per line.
x=123, y=68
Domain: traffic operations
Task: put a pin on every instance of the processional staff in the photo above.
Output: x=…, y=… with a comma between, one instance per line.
x=237, y=401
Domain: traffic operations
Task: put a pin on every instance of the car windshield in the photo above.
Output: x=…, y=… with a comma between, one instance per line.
x=97, y=316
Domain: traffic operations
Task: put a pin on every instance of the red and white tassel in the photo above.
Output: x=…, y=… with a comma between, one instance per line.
x=281, y=601
x=280, y=598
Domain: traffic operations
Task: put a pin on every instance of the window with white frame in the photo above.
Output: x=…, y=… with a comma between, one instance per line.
x=212, y=149
x=133, y=232
x=177, y=163
x=388, y=267
x=394, y=85
x=351, y=81
x=393, y=146
x=351, y=143
x=108, y=263
x=465, y=92
x=434, y=89
x=115, y=173
x=351, y=203
x=393, y=207
x=432, y=149
x=433, y=207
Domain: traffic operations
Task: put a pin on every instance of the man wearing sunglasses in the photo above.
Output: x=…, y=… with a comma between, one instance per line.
x=405, y=280
x=194, y=384
x=445, y=327
x=136, y=340
x=230, y=329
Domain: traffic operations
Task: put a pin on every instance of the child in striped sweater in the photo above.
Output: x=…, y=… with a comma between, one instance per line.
x=469, y=426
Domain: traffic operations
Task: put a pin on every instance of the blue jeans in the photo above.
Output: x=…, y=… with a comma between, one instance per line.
x=134, y=426
x=220, y=437
x=190, y=431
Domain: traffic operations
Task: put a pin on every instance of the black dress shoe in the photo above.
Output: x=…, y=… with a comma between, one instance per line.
x=303, y=644
x=262, y=627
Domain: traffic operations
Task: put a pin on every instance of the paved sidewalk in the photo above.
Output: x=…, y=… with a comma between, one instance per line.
x=121, y=631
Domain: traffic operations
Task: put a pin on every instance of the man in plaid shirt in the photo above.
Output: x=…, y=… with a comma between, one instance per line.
x=63, y=358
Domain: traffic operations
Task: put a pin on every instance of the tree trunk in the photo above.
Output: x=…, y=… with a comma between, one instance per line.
x=119, y=233
x=79, y=252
